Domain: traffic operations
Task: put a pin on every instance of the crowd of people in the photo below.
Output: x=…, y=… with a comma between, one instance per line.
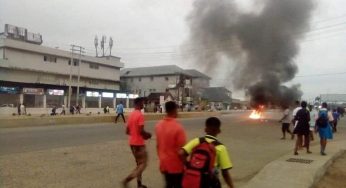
x=308, y=120
x=183, y=164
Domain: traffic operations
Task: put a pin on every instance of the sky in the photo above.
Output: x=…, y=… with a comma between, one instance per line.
x=155, y=32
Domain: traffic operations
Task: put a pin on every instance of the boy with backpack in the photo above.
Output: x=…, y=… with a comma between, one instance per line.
x=206, y=156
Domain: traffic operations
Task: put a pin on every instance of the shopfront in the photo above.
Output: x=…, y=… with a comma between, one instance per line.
x=121, y=98
x=33, y=97
x=92, y=99
x=55, y=97
x=9, y=96
x=107, y=99
x=132, y=99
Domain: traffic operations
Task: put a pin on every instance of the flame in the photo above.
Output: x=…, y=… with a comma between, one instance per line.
x=255, y=114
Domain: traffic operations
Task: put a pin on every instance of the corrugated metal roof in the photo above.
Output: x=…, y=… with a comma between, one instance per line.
x=216, y=94
x=195, y=73
x=151, y=71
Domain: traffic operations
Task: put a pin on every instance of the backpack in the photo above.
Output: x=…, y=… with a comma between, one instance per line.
x=322, y=120
x=199, y=172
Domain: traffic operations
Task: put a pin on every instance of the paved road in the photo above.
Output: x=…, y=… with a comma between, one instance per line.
x=16, y=140
x=97, y=155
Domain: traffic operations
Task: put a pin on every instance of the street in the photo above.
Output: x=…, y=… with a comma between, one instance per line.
x=97, y=155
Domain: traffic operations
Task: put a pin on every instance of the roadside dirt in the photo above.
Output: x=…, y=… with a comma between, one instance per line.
x=335, y=176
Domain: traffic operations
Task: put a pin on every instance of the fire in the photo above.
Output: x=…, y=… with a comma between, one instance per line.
x=255, y=114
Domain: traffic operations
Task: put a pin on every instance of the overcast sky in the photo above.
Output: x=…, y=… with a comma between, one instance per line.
x=153, y=32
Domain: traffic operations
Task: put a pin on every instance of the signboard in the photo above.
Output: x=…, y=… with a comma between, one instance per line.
x=55, y=92
x=92, y=94
x=34, y=38
x=9, y=90
x=121, y=96
x=10, y=29
x=33, y=91
x=133, y=96
x=107, y=95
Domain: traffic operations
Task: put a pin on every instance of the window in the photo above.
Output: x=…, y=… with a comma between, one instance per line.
x=152, y=78
x=139, y=79
x=48, y=58
x=75, y=62
x=166, y=78
x=93, y=66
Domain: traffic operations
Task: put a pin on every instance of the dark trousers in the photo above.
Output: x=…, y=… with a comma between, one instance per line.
x=173, y=180
x=120, y=114
x=335, y=123
x=285, y=128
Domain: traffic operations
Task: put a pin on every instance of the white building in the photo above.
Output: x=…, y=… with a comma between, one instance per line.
x=184, y=85
x=38, y=76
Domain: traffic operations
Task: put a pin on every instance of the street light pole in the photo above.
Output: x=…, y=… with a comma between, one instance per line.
x=79, y=64
x=70, y=80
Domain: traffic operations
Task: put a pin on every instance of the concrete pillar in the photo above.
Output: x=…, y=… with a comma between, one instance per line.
x=100, y=100
x=83, y=101
x=44, y=101
x=21, y=98
x=127, y=103
x=65, y=101
x=114, y=103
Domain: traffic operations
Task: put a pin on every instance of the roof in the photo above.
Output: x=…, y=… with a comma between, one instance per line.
x=196, y=74
x=34, y=48
x=156, y=95
x=333, y=97
x=216, y=94
x=151, y=71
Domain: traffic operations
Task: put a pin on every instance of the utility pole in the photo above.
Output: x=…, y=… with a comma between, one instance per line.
x=79, y=50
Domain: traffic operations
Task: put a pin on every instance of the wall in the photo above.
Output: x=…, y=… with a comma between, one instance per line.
x=159, y=83
x=33, y=61
x=54, y=79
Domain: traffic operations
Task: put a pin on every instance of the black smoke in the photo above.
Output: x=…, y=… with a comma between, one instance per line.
x=262, y=44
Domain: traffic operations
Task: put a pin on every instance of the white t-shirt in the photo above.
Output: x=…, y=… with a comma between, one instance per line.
x=295, y=111
x=287, y=119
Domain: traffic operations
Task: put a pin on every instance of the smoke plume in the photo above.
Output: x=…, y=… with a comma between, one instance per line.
x=262, y=44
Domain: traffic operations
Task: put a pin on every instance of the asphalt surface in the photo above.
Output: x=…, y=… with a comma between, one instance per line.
x=16, y=140
x=97, y=155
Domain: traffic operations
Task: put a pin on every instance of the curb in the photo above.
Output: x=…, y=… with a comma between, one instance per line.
x=84, y=119
x=284, y=174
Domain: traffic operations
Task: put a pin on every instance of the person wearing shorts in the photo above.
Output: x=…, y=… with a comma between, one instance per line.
x=286, y=121
x=137, y=136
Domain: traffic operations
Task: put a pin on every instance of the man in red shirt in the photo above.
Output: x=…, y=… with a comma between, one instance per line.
x=170, y=137
x=137, y=137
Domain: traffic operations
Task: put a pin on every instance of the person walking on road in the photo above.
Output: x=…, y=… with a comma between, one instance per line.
x=197, y=149
x=120, y=112
x=313, y=118
x=137, y=137
x=294, y=113
x=63, y=110
x=302, y=128
x=336, y=118
x=323, y=126
x=170, y=137
x=286, y=121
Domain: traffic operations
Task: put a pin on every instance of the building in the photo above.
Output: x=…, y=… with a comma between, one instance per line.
x=217, y=97
x=182, y=84
x=38, y=76
x=333, y=98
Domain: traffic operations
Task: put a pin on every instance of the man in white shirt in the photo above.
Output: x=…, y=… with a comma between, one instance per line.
x=294, y=113
x=286, y=121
